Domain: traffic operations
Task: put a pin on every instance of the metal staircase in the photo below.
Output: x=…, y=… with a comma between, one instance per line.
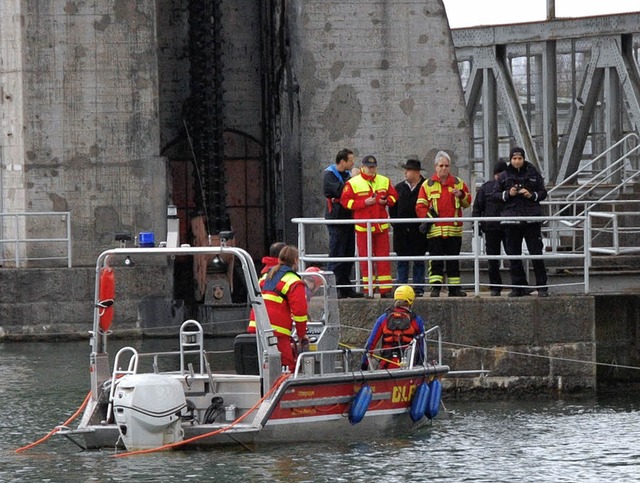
x=606, y=196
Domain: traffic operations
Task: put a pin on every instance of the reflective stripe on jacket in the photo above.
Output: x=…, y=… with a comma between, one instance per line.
x=436, y=199
x=285, y=301
x=358, y=189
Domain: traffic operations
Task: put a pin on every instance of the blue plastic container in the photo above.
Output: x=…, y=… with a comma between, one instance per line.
x=147, y=239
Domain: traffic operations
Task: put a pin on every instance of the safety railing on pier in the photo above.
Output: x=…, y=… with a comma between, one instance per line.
x=21, y=245
x=612, y=221
x=474, y=253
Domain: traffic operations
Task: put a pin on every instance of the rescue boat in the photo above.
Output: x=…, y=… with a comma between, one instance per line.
x=142, y=402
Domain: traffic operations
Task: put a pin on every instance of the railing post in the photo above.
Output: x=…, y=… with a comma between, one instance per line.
x=616, y=236
x=69, y=257
x=17, y=222
x=587, y=251
x=476, y=258
x=369, y=261
x=301, y=245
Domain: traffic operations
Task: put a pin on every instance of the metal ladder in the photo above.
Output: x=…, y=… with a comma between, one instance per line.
x=191, y=335
x=132, y=368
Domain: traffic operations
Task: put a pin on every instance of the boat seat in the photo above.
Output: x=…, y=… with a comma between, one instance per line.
x=245, y=350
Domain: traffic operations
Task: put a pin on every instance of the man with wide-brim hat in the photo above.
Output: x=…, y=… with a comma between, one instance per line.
x=407, y=239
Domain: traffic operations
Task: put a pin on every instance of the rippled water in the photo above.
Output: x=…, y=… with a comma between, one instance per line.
x=42, y=384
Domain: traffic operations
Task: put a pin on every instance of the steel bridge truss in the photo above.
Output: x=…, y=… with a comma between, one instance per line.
x=565, y=90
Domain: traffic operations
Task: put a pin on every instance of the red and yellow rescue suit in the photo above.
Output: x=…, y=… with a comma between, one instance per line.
x=436, y=200
x=354, y=194
x=286, y=302
x=397, y=327
x=268, y=263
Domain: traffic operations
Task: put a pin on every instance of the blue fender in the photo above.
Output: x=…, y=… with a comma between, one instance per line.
x=435, y=393
x=419, y=402
x=360, y=404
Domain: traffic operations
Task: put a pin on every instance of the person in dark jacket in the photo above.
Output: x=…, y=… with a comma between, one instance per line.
x=520, y=189
x=485, y=205
x=407, y=239
x=342, y=239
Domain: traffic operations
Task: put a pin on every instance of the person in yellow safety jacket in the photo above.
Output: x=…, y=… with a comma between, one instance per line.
x=443, y=196
x=268, y=263
x=368, y=195
x=285, y=299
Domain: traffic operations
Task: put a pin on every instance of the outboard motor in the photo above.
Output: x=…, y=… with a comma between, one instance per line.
x=147, y=410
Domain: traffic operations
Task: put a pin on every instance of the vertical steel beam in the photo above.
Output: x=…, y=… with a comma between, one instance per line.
x=581, y=116
x=511, y=105
x=549, y=109
x=489, y=123
x=612, y=118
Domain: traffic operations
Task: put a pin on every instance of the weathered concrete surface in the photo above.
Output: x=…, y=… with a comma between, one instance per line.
x=94, y=97
x=380, y=78
x=528, y=344
x=54, y=304
x=82, y=106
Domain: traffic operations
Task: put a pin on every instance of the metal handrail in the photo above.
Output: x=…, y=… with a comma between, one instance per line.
x=344, y=355
x=20, y=242
x=582, y=191
x=586, y=167
x=476, y=255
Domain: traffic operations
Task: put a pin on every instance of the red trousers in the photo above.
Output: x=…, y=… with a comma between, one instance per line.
x=381, y=276
x=287, y=358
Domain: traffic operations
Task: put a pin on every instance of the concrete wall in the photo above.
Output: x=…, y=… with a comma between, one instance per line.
x=57, y=304
x=618, y=333
x=528, y=345
x=378, y=77
x=94, y=93
x=83, y=105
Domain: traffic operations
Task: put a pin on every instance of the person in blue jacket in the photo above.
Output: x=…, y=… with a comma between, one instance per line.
x=342, y=238
x=396, y=329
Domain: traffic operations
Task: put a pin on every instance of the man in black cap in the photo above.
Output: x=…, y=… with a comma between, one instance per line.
x=520, y=189
x=368, y=195
x=407, y=239
x=485, y=205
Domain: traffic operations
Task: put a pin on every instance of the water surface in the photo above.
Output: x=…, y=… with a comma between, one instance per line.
x=42, y=384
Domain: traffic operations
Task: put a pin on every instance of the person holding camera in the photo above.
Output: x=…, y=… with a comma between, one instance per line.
x=520, y=188
x=368, y=195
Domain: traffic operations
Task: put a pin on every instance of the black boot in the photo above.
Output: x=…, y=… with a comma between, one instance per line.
x=435, y=292
x=456, y=292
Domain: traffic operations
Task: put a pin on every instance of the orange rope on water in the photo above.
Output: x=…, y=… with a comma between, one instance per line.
x=277, y=384
x=57, y=428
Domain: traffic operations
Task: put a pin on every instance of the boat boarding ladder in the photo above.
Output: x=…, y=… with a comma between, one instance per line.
x=192, y=335
x=132, y=368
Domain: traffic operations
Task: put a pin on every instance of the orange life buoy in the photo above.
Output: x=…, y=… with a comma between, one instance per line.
x=106, y=297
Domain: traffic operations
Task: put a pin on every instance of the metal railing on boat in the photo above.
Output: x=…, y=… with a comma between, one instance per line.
x=339, y=360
